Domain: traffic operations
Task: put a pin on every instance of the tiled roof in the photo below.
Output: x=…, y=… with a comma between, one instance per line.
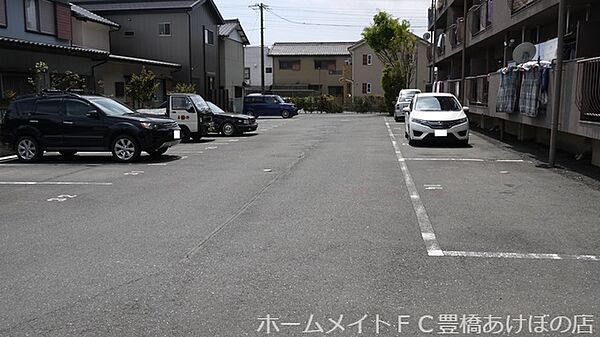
x=25, y=43
x=310, y=49
x=138, y=5
x=231, y=25
x=81, y=12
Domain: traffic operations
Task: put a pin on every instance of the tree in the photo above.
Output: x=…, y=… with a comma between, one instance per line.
x=395, y=46
x=142, y=87
x=67, y=80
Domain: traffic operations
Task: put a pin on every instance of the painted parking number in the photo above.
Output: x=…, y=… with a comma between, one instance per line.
x=62, y=197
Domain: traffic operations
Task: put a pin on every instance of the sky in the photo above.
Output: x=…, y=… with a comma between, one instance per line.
x=320, y=20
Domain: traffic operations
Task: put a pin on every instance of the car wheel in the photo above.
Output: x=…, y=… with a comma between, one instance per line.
x=67, y=153
x=28, y=149
x=228, y=129
x=125, y=149
x=158, y=153
x=185, y=134
x=285, y=114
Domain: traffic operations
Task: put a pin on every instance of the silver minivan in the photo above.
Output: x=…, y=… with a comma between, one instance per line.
x=404, y=98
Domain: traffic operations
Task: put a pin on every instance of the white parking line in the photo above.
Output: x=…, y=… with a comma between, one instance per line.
x=443, y=159
x=534, y=256
x=433, y=187
x=54, y=183
x=210, y=147
x=158, y=164
x=427, y=233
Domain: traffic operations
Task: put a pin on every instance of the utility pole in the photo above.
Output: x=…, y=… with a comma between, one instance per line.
x=262, y=7
x=557, y=81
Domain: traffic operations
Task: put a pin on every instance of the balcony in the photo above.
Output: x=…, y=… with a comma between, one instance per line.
x=517, y=5
x=478, y=88
x=481, y=16
x=588, y=89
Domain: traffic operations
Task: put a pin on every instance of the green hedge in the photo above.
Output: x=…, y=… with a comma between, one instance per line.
x=323, y=103
x=369, y=104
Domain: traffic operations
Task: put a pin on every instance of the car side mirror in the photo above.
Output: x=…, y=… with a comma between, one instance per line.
x=93, y=114
x=406, y=109
x=466, y=109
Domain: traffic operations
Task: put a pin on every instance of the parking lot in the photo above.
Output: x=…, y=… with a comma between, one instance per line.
x=312, y=217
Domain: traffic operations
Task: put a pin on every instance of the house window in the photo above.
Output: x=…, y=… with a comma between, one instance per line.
x=209, y=37
x=129, y=33
x=366, y=88
x=40, y=16
x=246, y=73
x=269, y=70
x=119, y=89
x=2, y=13
x=325, y=64
x=164, y=29
x=289, y=65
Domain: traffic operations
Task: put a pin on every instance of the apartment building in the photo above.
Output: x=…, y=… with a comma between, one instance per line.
x=310, y=68
x=473, y=39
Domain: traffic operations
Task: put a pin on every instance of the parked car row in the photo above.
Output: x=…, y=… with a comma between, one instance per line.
x=433, y=116
x=69, y=123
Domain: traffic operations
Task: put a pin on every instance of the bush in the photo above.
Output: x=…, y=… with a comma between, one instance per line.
x=323, y=103
x=369, y=104
x=185, y=88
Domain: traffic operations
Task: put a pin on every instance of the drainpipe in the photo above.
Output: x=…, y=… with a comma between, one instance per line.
x=191, y=68
x=94, y=71
x=557, y=81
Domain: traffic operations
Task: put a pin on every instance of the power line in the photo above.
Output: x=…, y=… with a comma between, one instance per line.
x=311, y=24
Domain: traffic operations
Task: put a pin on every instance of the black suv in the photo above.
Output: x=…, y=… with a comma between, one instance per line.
x=68, y=123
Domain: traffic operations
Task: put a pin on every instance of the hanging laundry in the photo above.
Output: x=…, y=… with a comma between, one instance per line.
x=529, y=94
x=508, y=91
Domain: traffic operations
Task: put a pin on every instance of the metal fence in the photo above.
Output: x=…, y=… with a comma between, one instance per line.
x=588, y=89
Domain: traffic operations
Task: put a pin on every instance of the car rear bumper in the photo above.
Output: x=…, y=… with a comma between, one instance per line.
x=420, y=132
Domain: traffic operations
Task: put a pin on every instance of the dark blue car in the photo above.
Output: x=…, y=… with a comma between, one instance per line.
x=268, y=105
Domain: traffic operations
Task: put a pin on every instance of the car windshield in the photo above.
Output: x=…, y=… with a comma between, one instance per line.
x=199, y=102
x=407, y=97
x=437, y=103
x=111, y=107
x=214, y=108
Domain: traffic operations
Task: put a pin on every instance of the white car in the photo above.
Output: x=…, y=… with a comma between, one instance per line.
x=436, y=116
x=404, y=98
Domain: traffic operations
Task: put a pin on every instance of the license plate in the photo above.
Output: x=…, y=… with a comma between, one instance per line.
x=440, y=133
x=176, y=134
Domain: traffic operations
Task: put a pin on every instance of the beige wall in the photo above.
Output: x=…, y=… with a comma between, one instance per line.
x=308, y=75
x=92, y=35
x=372, y=73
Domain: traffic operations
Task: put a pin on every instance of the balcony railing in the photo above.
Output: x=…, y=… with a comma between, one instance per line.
x=481, y=16
x=517, y=5
x=478, y=90
x=588, y=89
x=335, y=72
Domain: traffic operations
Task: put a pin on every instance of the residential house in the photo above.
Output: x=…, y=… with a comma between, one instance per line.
x=485, y=39
x=252, y=70
x=183, y=32
x=233, y=39
x=310, y=68
x=367, y=69
x=65, y=37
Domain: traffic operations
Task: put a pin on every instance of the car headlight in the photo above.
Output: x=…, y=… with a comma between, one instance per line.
x=149, y=126
x=419, y=121
x=462, y=120
x=246, y=121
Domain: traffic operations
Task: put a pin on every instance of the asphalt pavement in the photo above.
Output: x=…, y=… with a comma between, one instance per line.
x=316, y=224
